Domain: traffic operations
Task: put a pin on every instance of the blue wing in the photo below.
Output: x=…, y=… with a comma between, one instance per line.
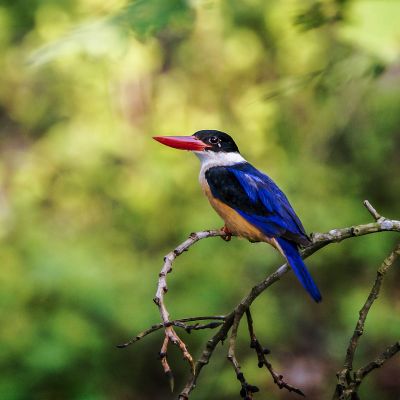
x=258, y=199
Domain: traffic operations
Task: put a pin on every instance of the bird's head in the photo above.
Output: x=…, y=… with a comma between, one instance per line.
x=206, y=141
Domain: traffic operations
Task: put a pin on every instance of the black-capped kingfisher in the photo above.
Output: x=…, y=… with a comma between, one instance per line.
x=250, y=203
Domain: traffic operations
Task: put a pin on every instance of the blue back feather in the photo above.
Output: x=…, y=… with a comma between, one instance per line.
x=259, y=200
x=279, y=215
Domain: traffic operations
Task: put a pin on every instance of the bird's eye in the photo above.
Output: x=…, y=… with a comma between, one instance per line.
x=214, y=140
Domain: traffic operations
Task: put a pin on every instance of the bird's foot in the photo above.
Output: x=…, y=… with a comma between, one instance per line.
x=228, y=234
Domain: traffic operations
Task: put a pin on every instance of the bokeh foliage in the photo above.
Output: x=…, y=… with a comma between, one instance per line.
x=89, y=204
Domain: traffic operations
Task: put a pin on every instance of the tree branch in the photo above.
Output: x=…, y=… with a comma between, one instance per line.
x=372, y=210
x=247, y=390
x=348, y=384
x=179, y=323
x=262, y=358
x=162, y=288
x=373, y=295
x=379, y=361
x=232, y=320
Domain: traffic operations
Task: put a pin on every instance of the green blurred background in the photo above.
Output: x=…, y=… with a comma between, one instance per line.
x=89, y=203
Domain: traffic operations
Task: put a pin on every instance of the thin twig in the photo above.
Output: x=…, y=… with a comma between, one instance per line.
x=262, y=358
x=141, y=335
x=246, y=390
x=162, y=288
x=198, y=327
x=348, y=384
x=319, y=240
x=167, y=369
x=373, y=295
x=179, y=323
x=378, y=362
x=232, y=345
x=204, y=359
x=372, y=210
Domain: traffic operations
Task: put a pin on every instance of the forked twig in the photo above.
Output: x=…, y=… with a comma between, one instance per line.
x=372, y=210
x=349, y=383
x=178, y=323
x=378, y=362
x=232, y=320
x=164, y=363
x=262, y=358
x=162, y=288
x=246, y=390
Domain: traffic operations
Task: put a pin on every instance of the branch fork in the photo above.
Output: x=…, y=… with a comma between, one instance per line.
x=230, y=322
x=347, y=381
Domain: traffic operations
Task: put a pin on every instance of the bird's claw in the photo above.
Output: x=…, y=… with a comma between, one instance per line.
x=228, y=234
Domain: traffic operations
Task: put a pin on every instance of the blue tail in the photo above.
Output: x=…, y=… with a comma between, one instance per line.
x=295, y=261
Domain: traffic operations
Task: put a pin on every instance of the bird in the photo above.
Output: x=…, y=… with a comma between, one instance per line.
x=250, y=203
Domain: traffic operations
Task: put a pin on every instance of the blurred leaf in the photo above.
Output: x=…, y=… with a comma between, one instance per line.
x=90, y=204
x=151, y=17
x=108, y=36
x=312, y=18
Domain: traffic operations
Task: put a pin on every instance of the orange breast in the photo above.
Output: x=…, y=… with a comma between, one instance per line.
x=235, y=222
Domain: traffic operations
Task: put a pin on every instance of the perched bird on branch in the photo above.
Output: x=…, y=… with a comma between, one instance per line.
x=250, y=203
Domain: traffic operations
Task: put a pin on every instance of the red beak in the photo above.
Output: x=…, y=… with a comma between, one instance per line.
x=182, y=142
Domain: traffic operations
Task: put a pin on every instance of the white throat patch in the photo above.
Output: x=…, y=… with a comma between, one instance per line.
x=211, y=159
